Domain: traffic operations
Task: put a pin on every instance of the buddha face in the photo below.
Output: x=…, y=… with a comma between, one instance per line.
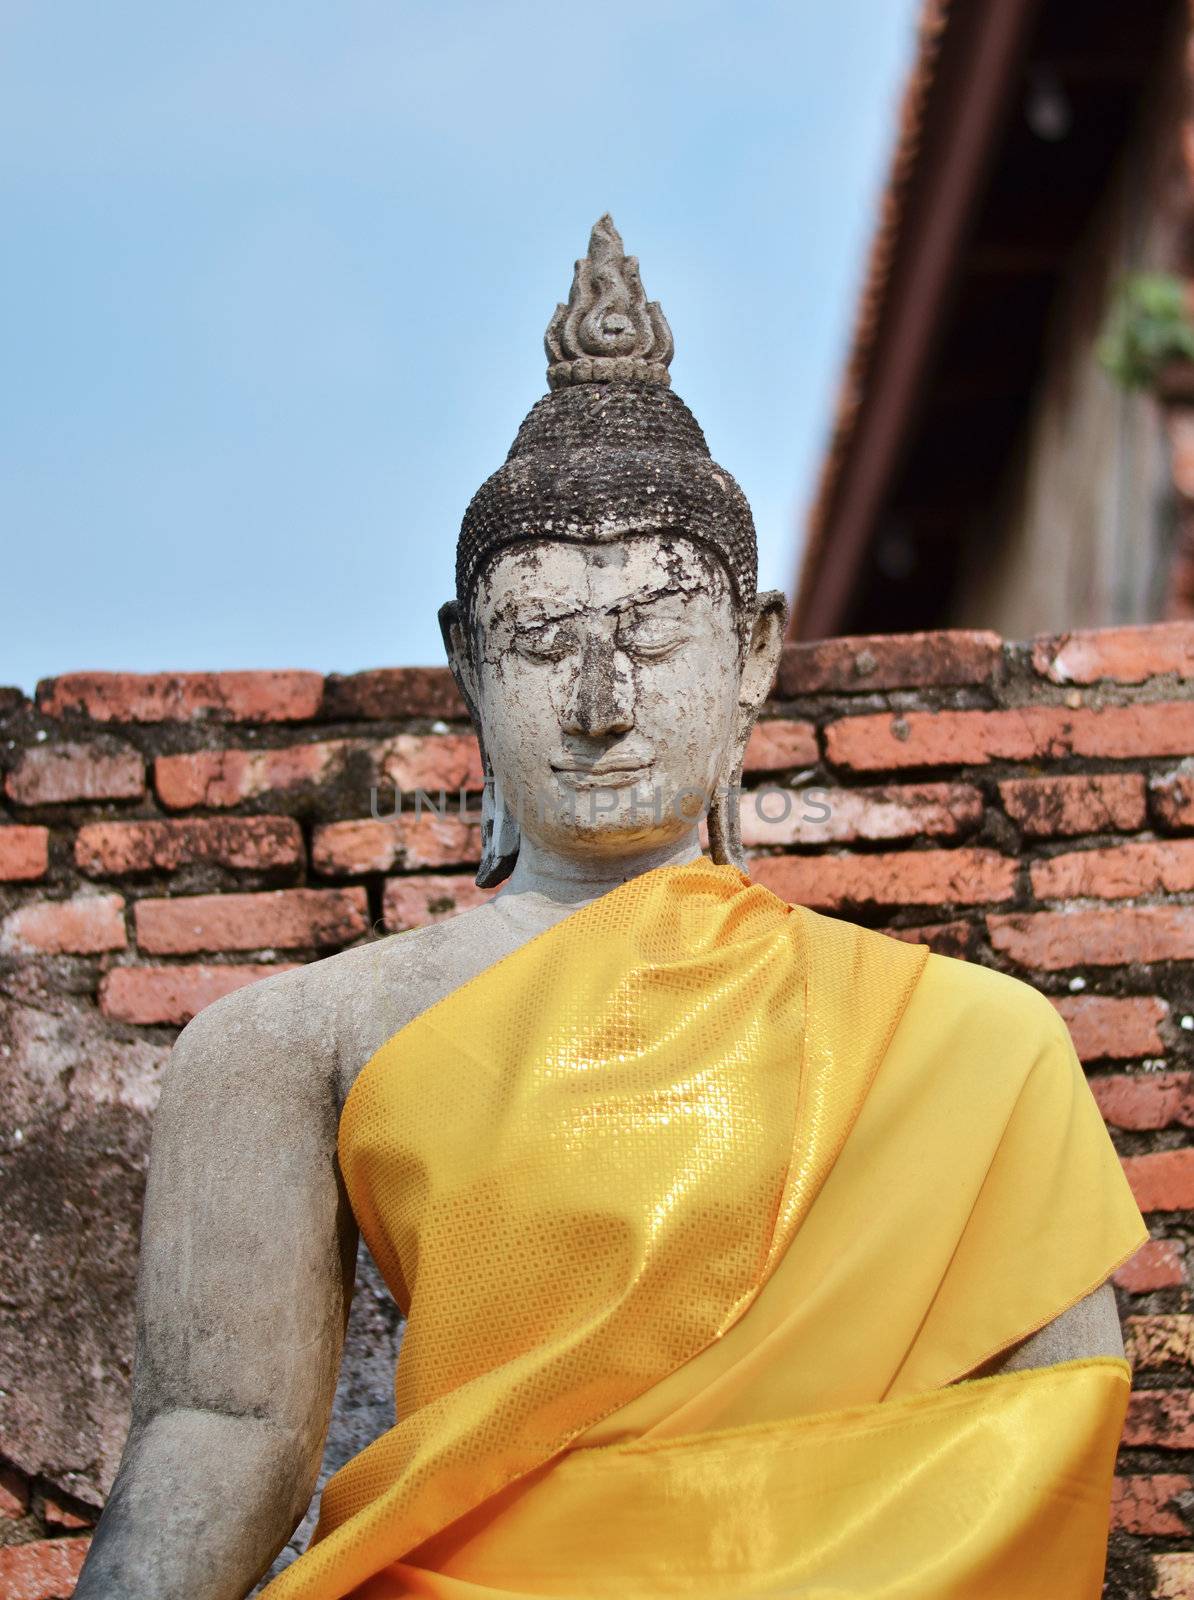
x=608, y=679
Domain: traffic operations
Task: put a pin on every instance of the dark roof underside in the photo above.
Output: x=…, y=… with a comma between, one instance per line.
x=937, y=392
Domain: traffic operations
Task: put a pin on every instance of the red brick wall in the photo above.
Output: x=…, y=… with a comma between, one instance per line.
x=166, y=838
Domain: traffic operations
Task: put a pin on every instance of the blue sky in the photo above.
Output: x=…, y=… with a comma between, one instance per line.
x=275, y=279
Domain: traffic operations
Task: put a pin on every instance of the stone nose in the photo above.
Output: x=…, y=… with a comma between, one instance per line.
x=600, y=702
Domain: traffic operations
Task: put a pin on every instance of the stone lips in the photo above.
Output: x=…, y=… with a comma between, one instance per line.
x=592, y=462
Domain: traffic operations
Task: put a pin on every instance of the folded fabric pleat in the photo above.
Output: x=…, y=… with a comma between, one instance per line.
x=995, y=1489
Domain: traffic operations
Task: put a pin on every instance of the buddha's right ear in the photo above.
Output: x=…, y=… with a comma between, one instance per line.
x=460, y=658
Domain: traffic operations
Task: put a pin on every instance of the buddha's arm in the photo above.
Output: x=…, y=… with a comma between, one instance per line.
x=246, y=1268
x=1089, y=1328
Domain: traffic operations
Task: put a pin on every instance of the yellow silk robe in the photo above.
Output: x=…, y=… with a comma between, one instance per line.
x=698, y=1205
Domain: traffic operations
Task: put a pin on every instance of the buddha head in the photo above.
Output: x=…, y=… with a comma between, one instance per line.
x=606, y=634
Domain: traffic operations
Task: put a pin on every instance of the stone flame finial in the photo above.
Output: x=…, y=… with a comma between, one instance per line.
x=609, y=331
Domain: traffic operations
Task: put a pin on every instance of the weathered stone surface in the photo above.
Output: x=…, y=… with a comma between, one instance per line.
x=1127, y=655
x=46, y=1569
x=890, y=661
x=1101, y=1025
x=432, y=762
x=58, y=774
x=174, y=994
x=113, y=849
x=1051, y=940
x=955, y=939
x=882, y=741
x=85, y=925
x=1146, y=1100
x=1102, y=802
x=183, y=696
x=778, y=744
x=1158, y=1264
x=412, y=902
x=364, y=1405
x=383, y=692
x=903, y=878
x=24, y=853
x=220, y=778
x=285, y=919
x=77, y=1103
x=777, y=817
x=409, y=841
x=1171, y=795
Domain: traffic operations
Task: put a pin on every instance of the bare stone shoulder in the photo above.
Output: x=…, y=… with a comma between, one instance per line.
x=326, y=1019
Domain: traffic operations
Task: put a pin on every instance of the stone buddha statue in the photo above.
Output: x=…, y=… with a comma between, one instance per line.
x=613, y=652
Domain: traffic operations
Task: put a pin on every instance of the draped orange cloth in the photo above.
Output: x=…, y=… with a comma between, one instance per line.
x=697, y=1204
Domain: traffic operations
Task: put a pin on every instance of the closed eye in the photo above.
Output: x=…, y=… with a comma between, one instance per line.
x=652, y=641
x=548, y=643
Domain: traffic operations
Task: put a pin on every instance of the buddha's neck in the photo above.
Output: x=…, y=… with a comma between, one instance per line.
x=543, y=878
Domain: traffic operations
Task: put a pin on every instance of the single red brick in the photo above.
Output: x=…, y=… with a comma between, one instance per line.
x=1128, y=655
x=439, y=840
x=47, y=1569
x=1149, y=1505
x=84, y=926
x=1116, y=872
x=1146, y=1100
x=183, y=696
x=1158, y=1264
x=350, y=849
x=775, y=745
x=219, y=778
x=1160, y=1419
x=147, y=995
x=14, y=1494
x=1163, y=1180
x=354, y=848
x=889, y=661
x=56, y=774
x=284, y=919
x=898, y=878
x=1172, y=797
x=946, y=938
x=392, y=692
x=1053, y=940
x=412, y=902
x=1173, y=1576
x=1118, y=1029
x=1103, y=802
x=261, y=844
x=432, y=762
x=1155, y=1342
x=56, y=1516
x=886, y=740
x=781, y=817
x=24, y=853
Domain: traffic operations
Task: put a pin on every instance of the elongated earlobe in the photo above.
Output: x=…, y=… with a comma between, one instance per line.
x=758, y=674
x=500, y=835
x=725, y=824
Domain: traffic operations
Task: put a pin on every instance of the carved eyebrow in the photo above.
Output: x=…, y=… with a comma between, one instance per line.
x=532, y=613
x=646, y=596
